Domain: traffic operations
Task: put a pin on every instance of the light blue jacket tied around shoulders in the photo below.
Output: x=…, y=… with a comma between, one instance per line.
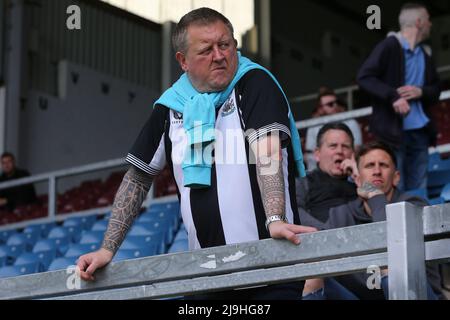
x=199, y=117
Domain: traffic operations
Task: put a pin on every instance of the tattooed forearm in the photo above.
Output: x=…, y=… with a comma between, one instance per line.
x=127, y=203
x=271, y=184
x=368, y=187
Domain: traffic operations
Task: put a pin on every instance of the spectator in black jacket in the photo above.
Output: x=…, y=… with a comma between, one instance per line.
x=12, y=197
x=377, y=181
x=328, y=185
x=402, y=81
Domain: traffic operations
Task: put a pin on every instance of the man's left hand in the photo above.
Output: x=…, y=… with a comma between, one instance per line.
x=283, y=230
x=410, y=92
x=368, y=190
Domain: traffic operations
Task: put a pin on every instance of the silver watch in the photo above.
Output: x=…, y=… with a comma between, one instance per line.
x=273, y=218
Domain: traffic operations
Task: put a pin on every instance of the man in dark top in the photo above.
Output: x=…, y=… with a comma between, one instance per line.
x=377, y=181
x=328, y=186
x=20, y=195
x=402, y=81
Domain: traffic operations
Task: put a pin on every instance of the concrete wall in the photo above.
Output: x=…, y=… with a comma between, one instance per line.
x=84, y=124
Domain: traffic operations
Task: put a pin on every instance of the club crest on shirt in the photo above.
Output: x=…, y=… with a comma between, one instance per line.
x=178, y=116
x=228, y=107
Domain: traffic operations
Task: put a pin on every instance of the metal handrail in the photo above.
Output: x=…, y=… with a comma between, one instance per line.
x=51, y=177
x=348, y=90
x=399, y=243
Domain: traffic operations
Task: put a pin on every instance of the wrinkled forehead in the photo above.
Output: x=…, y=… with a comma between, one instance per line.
x=204, y=31
x=336, y=136
x=376, y=156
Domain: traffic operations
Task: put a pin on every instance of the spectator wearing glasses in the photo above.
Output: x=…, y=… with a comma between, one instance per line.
x=327, y=104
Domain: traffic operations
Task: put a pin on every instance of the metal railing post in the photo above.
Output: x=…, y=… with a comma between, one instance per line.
x=350, y=99
x=406, y=252
x=52, y=196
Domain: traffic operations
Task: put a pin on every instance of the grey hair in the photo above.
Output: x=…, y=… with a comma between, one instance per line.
x=409, y=13
x=201, y=16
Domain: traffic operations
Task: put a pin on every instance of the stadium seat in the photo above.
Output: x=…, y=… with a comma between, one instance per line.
x=85, y=222
x=157, y=227
x=59, y=245
x=72, y=222
x=10, y=253
x=15, y=271
x=43, y=258
x=434, y=160
x=2, y=261
x=100, y=225
x=29, y=239
x=125, y=254
x=62, y=263
x=155, y=241
x=92, y=237
x=4, y=235
x=445, y=193
x=169, y=206
x=107, y=216
x=179, y=246
x=422, y=193
x=73, y=232
x=77, y=249
x=42, y=228
x=59, y=232
x=435, y=201
x=34, y=233
x=166, y=215
x=438, y=164
x=437, y=179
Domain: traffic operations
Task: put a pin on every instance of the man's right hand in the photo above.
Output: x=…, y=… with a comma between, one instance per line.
x=90, y=262
x=350, y=168
x=283, y=230
x=401, y=106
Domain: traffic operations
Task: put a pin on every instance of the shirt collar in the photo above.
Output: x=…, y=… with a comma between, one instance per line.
x=405, y=46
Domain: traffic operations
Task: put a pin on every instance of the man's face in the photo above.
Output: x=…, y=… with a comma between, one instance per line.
x=211, y=58
x=336, y=147
x=329, y=105
x=377, y=168
x=7, y=165
x=425, y=24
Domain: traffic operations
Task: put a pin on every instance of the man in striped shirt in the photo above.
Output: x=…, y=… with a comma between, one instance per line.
x=251, y=182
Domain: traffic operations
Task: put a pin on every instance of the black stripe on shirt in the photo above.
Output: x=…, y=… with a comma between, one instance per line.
x=206, y=214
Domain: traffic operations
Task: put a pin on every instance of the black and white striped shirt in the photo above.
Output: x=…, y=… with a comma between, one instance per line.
x=231, y=210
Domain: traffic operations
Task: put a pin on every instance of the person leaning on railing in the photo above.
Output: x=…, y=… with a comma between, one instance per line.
x=221, y=203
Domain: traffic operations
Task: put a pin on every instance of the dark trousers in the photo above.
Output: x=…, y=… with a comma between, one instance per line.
x=284, y=291
x=412, y=159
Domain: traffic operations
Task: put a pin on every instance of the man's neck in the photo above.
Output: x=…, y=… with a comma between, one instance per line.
x=412, y=36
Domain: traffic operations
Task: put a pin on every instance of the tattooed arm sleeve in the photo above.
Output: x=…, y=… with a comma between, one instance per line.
x=127, y=203
x=269, y=174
